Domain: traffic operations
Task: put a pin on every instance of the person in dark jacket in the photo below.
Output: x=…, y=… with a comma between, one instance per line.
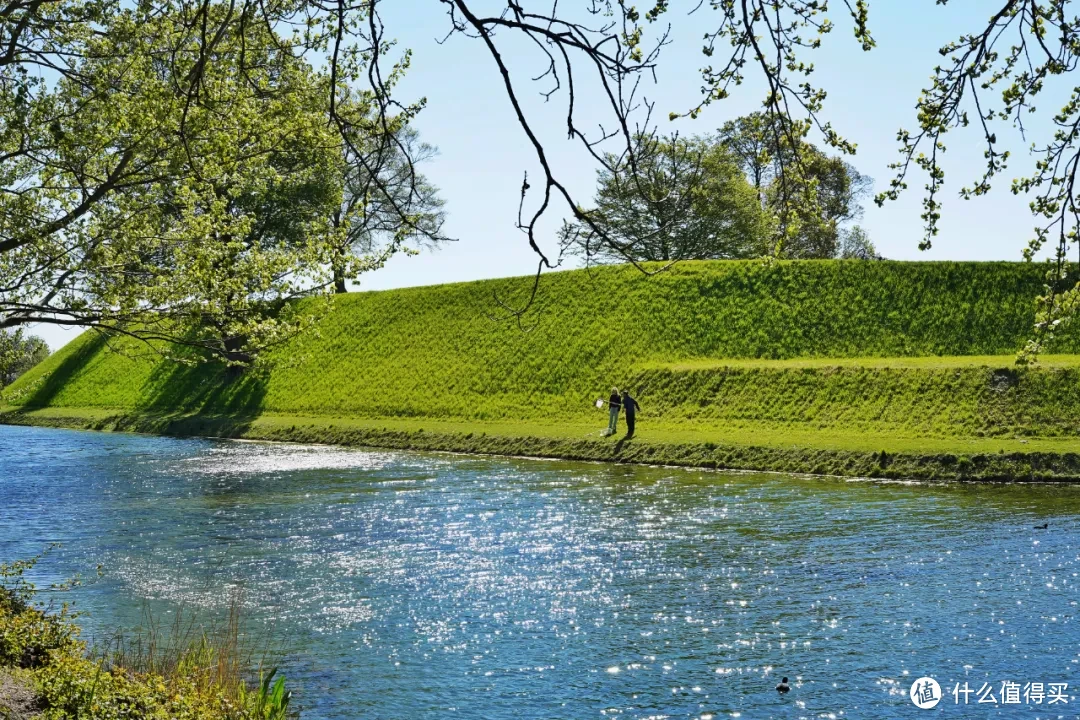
x=630, y=406
x=614, y=403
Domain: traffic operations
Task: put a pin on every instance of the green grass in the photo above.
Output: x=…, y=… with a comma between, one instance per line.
x=936, y=361
x=776, y=435
x=761, y=447
x=845, y=355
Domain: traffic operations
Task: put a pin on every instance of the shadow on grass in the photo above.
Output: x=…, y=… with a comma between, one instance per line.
x=203, y=387
x=197, y=398
x=203, y=398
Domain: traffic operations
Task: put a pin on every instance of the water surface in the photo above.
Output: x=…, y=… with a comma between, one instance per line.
x=405, y=585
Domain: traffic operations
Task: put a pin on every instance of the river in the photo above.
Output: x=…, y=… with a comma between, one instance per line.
x=408, y=585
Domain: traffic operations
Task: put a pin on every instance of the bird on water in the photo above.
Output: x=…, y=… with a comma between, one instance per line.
x=1043, y=526
x=783, y=687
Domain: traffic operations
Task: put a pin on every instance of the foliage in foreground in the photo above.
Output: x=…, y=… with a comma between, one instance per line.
x=176, y=174
x=71, y=682
x=718, y=197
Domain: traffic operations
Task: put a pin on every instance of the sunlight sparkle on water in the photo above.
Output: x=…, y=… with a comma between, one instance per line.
x=411, y=585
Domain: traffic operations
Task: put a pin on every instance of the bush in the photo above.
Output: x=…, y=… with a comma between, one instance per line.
x=199, y=677
x=29, y=635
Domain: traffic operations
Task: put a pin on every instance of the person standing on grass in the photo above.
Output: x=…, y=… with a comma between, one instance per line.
x=631, y=406
x=614, y=403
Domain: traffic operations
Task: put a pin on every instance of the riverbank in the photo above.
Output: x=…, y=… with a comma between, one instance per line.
x=760, y=446
x=48, y=673
x=846, y=368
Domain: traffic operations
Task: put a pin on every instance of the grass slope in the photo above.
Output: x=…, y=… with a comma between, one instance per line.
x=842, y=354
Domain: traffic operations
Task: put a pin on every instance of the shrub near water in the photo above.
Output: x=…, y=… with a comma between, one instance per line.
x=437, y=352
x=194, y=676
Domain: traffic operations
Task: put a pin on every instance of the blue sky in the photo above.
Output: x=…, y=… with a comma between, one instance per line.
x=484, y=153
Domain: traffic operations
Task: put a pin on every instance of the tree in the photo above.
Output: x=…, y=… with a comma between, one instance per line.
x=754, y=141
x=221, y=250
x=855, y=244
x=19, y=353
x=684, y=199
x=828, y=190
x=387, y=206
x=176, y=179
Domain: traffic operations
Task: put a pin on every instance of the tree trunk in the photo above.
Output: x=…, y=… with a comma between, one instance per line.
x=339, y=272
x=234, y=353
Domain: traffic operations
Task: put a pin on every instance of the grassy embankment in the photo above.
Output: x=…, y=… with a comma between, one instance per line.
x=851, y=368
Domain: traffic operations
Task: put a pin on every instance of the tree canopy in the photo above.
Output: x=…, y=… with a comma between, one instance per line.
x=18, y=353
x=376, y=195
x=829, y=190
x=716, y=197
x=855, y=244
x=173, y=170
x=686, y=199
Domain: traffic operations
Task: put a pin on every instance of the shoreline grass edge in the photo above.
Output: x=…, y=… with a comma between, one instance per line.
x=1002, y=466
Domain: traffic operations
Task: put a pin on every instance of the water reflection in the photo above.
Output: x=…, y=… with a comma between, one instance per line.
x=424, y=586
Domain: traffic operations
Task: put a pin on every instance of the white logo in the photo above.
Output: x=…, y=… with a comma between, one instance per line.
x=925, y=693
